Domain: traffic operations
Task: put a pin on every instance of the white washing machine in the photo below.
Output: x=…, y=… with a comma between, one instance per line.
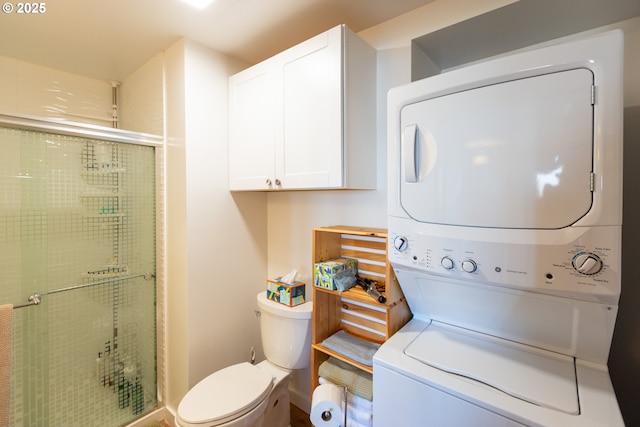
x=431, y=373
x=505, y=216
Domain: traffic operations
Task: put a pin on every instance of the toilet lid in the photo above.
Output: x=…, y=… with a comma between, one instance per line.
x=225, y=395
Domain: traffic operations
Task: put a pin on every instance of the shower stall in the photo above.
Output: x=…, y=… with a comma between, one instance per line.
x=78, y=262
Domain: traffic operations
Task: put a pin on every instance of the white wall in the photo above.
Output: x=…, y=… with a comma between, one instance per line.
x=216, y=241
x=227, y=259
x=28, y=89
x=176, y=336
x=141, y=98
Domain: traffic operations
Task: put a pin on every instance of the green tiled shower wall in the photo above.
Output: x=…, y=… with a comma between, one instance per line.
x=77, y=225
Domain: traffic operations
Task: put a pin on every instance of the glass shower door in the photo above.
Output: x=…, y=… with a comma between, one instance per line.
x=77, y=233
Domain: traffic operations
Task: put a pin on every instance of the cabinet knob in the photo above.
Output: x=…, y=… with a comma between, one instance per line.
x=278, y=182
x=268, y=182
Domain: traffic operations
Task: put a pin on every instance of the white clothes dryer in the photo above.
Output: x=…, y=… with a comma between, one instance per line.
x=505, y=218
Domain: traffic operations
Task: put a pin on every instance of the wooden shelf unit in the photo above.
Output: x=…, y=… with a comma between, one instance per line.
x=354, y=311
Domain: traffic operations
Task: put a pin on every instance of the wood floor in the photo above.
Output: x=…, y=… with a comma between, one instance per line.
x=299, y=418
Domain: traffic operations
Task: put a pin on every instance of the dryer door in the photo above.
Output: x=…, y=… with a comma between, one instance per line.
x=516, y=154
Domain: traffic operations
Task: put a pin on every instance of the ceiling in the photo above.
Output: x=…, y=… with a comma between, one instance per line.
x=109, y=39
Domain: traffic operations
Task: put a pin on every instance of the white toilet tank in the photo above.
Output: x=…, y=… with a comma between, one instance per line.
x=285, y=332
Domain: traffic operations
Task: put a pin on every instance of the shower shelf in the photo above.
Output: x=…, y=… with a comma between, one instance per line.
x=103, y=276
x=101, y=194
x=104, y=216
x=114, y=270
x=88, y=171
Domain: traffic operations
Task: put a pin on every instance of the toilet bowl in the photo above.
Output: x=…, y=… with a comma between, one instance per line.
x=246, y=395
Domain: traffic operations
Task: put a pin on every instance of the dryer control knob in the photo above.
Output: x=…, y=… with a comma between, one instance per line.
x=469, y=265
x=447, y=263
x=587, y=263
x=401, y=243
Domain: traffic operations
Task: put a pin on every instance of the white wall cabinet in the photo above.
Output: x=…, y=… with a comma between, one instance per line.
x=305, y=118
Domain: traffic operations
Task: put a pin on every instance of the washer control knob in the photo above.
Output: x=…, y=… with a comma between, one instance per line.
x=587, y=263
x=469, y=265
x=447, y=263
x=401, y=243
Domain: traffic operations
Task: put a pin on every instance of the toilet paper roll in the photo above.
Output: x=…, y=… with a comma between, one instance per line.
x=327, y=406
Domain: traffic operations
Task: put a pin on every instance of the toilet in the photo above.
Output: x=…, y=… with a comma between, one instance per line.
x=246, y=395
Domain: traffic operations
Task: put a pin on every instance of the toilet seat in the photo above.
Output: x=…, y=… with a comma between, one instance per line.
x=225, y=395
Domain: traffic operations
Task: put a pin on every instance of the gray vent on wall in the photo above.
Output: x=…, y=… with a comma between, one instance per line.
x=515, y=26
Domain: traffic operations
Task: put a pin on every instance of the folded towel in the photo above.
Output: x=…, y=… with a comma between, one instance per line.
x=359, y=410
x=361, y=416
x=340, y=373
x=357, y=402
x=352, y=347
x=354, y=423
x=360, y=403
x=6, y=325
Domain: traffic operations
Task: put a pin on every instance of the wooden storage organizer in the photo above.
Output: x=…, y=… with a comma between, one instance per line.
x=353, y=310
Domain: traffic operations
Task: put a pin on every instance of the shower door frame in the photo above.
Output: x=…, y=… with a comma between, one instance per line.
x=82, y=130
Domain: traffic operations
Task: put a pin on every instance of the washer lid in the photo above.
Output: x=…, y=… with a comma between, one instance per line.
x=225, y=394
x=537, y=376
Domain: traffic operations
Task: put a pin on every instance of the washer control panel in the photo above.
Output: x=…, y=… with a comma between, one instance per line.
x=587, y=263
x=580, y=262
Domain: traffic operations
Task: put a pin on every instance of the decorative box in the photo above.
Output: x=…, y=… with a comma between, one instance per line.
x=285, y=293
x=323, y=272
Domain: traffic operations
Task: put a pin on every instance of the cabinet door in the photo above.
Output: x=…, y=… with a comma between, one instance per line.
x=252, y=128
x=309, y=152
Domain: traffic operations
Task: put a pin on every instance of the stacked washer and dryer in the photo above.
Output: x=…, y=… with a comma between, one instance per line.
x=505, y=215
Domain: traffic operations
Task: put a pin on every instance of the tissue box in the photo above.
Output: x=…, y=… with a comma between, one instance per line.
x=323, y=272
x=285, y=293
